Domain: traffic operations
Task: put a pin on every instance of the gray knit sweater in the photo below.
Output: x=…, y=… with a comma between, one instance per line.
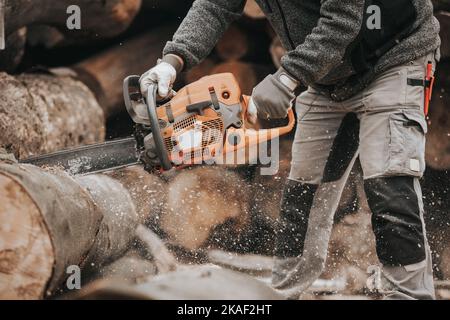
x=316, y=34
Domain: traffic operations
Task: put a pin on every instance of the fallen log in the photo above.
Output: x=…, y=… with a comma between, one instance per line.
x=105, y=18
x=156, y=250
x=104, y=73
x=60, y=110
x=131, y=268
x=204, y=282
x=252, y=264
x=22, y=275
x=148, y=257
x=51, y=221
x=41, y=113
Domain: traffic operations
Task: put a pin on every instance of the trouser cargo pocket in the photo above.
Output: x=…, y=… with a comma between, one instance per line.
x=407, y=129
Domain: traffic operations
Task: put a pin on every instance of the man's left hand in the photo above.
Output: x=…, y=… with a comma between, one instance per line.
x=273, y=97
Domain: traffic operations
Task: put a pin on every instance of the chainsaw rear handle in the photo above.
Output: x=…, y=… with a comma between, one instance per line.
x=273, y=132
x=134, y=101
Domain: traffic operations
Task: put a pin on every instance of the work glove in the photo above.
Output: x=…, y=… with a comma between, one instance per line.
x=273, y=97
x=163, y=74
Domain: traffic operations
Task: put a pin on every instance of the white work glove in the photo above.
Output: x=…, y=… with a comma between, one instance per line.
x=164, y=74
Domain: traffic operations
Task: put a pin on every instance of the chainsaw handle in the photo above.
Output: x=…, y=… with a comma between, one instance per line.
x=272, y=132
x=160, y=147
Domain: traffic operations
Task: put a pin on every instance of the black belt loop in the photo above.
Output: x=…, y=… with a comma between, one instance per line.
x=419, y=83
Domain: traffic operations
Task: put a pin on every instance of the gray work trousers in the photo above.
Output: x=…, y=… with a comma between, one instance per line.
x=391, y=134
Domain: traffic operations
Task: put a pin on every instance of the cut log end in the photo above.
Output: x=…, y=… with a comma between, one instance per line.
x=26, y=253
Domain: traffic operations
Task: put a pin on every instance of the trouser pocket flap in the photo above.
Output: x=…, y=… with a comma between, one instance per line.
x=415, y=119
x=407, y=143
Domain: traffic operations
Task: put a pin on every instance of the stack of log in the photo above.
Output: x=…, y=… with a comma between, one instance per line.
x=133, y=225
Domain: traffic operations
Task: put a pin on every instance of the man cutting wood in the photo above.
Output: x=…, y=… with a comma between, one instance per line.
x=368, y=66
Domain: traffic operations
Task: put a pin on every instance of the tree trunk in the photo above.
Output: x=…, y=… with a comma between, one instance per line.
x=41, y=113
x=51, y=220
x=104, y=73
x=105, y=18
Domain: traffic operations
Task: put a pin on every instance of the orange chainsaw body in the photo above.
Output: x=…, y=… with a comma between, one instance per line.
x=207, y=119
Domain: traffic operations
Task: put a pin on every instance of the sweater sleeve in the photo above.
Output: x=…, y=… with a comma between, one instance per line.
x=203, y=26
x=324, y=48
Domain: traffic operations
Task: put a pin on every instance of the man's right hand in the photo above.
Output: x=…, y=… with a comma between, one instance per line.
x=163, y=74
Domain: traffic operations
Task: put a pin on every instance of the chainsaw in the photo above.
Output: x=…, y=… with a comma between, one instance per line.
x=204, y=121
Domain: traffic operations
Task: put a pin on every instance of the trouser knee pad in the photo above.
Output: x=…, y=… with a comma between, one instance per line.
x=296, y=204
x=396, y=220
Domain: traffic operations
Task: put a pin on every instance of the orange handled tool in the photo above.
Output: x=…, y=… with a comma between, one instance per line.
x=429, y=82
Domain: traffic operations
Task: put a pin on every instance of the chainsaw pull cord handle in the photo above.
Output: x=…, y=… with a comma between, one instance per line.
x=161, y=150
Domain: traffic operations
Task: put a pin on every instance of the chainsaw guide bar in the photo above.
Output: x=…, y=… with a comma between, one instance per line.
x=94, y=158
